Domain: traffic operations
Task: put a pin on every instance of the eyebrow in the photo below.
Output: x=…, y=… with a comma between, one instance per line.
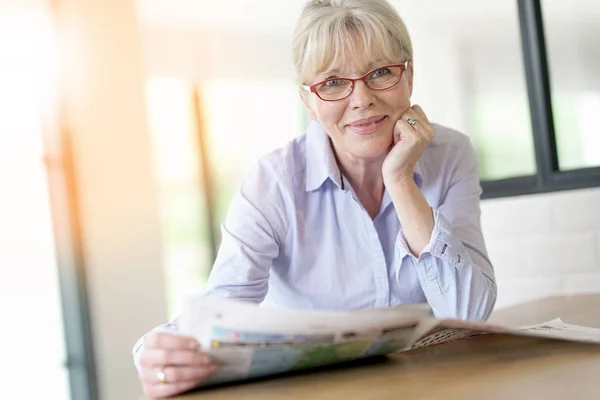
x=334, y=72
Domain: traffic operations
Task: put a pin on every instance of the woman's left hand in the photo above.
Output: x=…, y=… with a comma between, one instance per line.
x=409, y=143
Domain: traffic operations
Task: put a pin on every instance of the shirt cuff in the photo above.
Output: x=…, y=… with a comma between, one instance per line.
x=443, y=245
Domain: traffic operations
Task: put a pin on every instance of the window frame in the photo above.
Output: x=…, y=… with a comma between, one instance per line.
x=62, y=181
x=549, y=177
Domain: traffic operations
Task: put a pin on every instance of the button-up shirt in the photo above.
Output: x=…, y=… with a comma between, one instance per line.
x=296, y=235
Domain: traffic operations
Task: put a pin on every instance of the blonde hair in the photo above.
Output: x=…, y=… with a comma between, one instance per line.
x=327, y=28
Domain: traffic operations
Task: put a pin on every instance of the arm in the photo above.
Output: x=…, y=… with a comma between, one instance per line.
x=252, y=231
x=452, y=264
x=414, y=213
x=446, y=245
x=251, y=235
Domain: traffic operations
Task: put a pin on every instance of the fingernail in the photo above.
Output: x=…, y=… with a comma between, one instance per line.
x=193, y=344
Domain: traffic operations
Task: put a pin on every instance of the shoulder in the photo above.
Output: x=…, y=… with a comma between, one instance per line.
x=449, y=139
x=450, y=157
x=283, y=168
x=268, y=190
x=448, y=147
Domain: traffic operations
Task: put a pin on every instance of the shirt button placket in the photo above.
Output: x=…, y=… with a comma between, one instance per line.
x=378, y=264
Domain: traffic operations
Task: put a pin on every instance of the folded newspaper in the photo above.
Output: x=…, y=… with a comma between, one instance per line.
x=250, y=341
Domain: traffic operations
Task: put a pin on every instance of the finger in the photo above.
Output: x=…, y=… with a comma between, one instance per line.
x=403, y=131
x=420, y=112
x=176, y=374
x=422, y=126
x=168, y=389
x=162, y=340
x=411, y=115
x=162, y=358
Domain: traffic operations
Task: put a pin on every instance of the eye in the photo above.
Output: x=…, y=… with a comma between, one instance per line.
x=379, y=73
x=333, y=83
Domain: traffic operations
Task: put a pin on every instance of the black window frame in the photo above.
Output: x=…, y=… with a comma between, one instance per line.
x=548, y=177
x=80, y=360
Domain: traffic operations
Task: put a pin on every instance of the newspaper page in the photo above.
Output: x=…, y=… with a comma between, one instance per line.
x=433, y=332
x=250, y=341
x=557, y=329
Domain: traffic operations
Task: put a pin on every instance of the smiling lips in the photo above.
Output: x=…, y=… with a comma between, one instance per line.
x=367, y=126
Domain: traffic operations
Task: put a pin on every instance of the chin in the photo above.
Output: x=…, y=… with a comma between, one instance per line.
x=371, y=150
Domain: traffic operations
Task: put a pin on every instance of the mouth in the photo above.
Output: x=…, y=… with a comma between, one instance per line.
x=368, y=125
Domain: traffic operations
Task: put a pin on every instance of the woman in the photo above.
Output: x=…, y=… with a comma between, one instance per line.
x=373, y=207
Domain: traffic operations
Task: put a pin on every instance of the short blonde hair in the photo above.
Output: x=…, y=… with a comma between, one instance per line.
x=327, y=28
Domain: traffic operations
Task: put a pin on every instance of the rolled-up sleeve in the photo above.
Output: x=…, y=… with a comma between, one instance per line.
x=454, y=270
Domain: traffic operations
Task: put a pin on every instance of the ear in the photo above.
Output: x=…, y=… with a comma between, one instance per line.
x=305, y=96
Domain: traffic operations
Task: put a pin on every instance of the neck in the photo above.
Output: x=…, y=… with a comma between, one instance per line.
x=365, y=177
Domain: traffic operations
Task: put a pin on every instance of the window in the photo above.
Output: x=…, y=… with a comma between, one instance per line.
x=496, y=61
x=182, y=193
x=549, y=177
x=573, y=51
x=469, y=75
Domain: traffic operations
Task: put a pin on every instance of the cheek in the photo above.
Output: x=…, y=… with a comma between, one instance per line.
x=330, y=113
x=401, y=102
x=406, y=92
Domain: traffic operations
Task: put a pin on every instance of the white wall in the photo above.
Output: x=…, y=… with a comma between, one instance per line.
x=544, y=245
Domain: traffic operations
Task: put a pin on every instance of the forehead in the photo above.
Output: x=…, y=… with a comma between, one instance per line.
x=350, y=53
x=353, y=60
x=352, y=68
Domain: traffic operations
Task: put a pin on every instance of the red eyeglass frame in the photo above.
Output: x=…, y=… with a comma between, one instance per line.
x=313, y=88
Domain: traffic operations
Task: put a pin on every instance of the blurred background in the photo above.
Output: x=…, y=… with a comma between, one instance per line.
x=126, y=126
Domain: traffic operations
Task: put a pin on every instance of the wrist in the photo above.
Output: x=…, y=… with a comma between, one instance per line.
x=400, y=182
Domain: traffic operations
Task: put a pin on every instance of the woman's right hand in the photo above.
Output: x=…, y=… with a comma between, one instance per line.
x=171, y=364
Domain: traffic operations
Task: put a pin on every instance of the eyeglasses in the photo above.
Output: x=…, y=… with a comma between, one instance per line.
x=335, y=89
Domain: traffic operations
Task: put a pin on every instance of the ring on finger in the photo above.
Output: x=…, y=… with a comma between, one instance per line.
x=162, y=378
x=411, y=121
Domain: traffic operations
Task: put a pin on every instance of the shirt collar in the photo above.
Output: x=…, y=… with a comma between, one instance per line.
x=321, y=163
x=320, y=160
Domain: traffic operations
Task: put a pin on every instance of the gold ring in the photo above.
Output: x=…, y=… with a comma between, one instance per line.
x=411, y=121
x=162, y=378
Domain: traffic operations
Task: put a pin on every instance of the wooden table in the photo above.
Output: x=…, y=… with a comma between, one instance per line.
x=487, y=367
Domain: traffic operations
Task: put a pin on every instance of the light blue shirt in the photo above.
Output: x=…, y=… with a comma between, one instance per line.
x=296, y=236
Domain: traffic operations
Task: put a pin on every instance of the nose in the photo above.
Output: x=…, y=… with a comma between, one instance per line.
x=362, y=96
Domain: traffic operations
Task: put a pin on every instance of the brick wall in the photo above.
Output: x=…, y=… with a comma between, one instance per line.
x=544, y=244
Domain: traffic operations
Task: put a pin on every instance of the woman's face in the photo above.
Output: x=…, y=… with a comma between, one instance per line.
x=362, y=124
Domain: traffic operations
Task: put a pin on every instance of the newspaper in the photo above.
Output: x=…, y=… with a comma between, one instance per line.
x=249, y=341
